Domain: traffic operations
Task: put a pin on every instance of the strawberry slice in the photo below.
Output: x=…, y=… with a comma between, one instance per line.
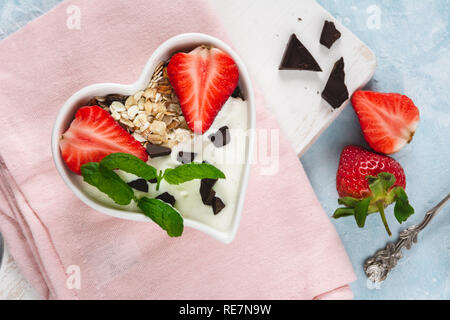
x=93, y=135
x=388, y=120
x=203, y=80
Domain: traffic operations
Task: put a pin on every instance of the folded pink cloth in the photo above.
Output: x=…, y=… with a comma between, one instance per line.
x=286, y=247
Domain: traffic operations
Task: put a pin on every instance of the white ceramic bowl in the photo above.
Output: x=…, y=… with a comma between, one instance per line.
x=182, y=42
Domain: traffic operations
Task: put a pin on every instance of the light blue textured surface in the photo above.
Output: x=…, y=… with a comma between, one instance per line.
x=412, y=46
x=412, y=49
x=16, y=13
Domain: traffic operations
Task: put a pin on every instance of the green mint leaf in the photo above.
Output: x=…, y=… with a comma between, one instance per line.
x=343, y=212
x=348, y=201
x=108, y=182
x=361, y=211
x=402, y=210
x=191, y=171
x=163, y=214
x=129, y=163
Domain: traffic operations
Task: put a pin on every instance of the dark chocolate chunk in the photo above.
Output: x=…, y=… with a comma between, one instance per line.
x=297, y=57
x=329, y=34
x=106, y=101
x=221, y=137
x=139, y=184
x=207, y=194
x=167, y=198
x=185, y=157
x=110, y=98
x=153, y=180
x=206, y=191
x=237, y=93
x=209, y=182
x=92, y=102
x=155, y=151
x=335, y=92
x=217, y=205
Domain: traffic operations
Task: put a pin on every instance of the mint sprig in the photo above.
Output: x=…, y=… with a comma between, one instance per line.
x=102, y=176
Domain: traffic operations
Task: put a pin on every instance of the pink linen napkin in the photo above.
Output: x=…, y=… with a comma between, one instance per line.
x=286, y=247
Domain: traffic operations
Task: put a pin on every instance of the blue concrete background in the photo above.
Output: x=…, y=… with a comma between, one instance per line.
x=411, y=40
x=411, y=43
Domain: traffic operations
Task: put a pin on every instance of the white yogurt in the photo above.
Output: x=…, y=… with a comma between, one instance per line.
x=230, y=159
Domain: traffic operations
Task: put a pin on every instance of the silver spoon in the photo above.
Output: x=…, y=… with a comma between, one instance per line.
x=378, y=267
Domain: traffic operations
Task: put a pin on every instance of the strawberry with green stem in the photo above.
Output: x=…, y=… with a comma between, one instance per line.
x=367, y=183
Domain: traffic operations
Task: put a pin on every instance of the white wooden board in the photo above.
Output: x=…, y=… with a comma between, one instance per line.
x=259, y=31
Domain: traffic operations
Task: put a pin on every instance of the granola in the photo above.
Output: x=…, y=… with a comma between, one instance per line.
x=151, y=115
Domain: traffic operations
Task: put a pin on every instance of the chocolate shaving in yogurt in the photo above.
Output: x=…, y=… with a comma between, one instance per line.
x=139, y=184
x=206, y=191
x=209, y=195
x=110, y=98
x=106, y=101
x=335, y=92
x=155, y=151
x=152, y=181
x=167, y=198
x=329, y=34
x=297, y=57
x=217, y=205
x=185, y=157
x=221, y=137
x=237, y=93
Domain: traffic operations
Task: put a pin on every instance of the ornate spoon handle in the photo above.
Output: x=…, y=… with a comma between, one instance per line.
x=378, y=267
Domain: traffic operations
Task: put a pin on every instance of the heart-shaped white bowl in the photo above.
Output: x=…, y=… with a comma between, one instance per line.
x=183, y=42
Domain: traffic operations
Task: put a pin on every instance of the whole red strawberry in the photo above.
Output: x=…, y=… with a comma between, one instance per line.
x=368, y=182
x=203, y=80
x=388, y=120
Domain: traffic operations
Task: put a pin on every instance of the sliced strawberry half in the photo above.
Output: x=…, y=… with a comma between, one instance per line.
x=388, y=120
x=203, y=80
x=93, y=135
